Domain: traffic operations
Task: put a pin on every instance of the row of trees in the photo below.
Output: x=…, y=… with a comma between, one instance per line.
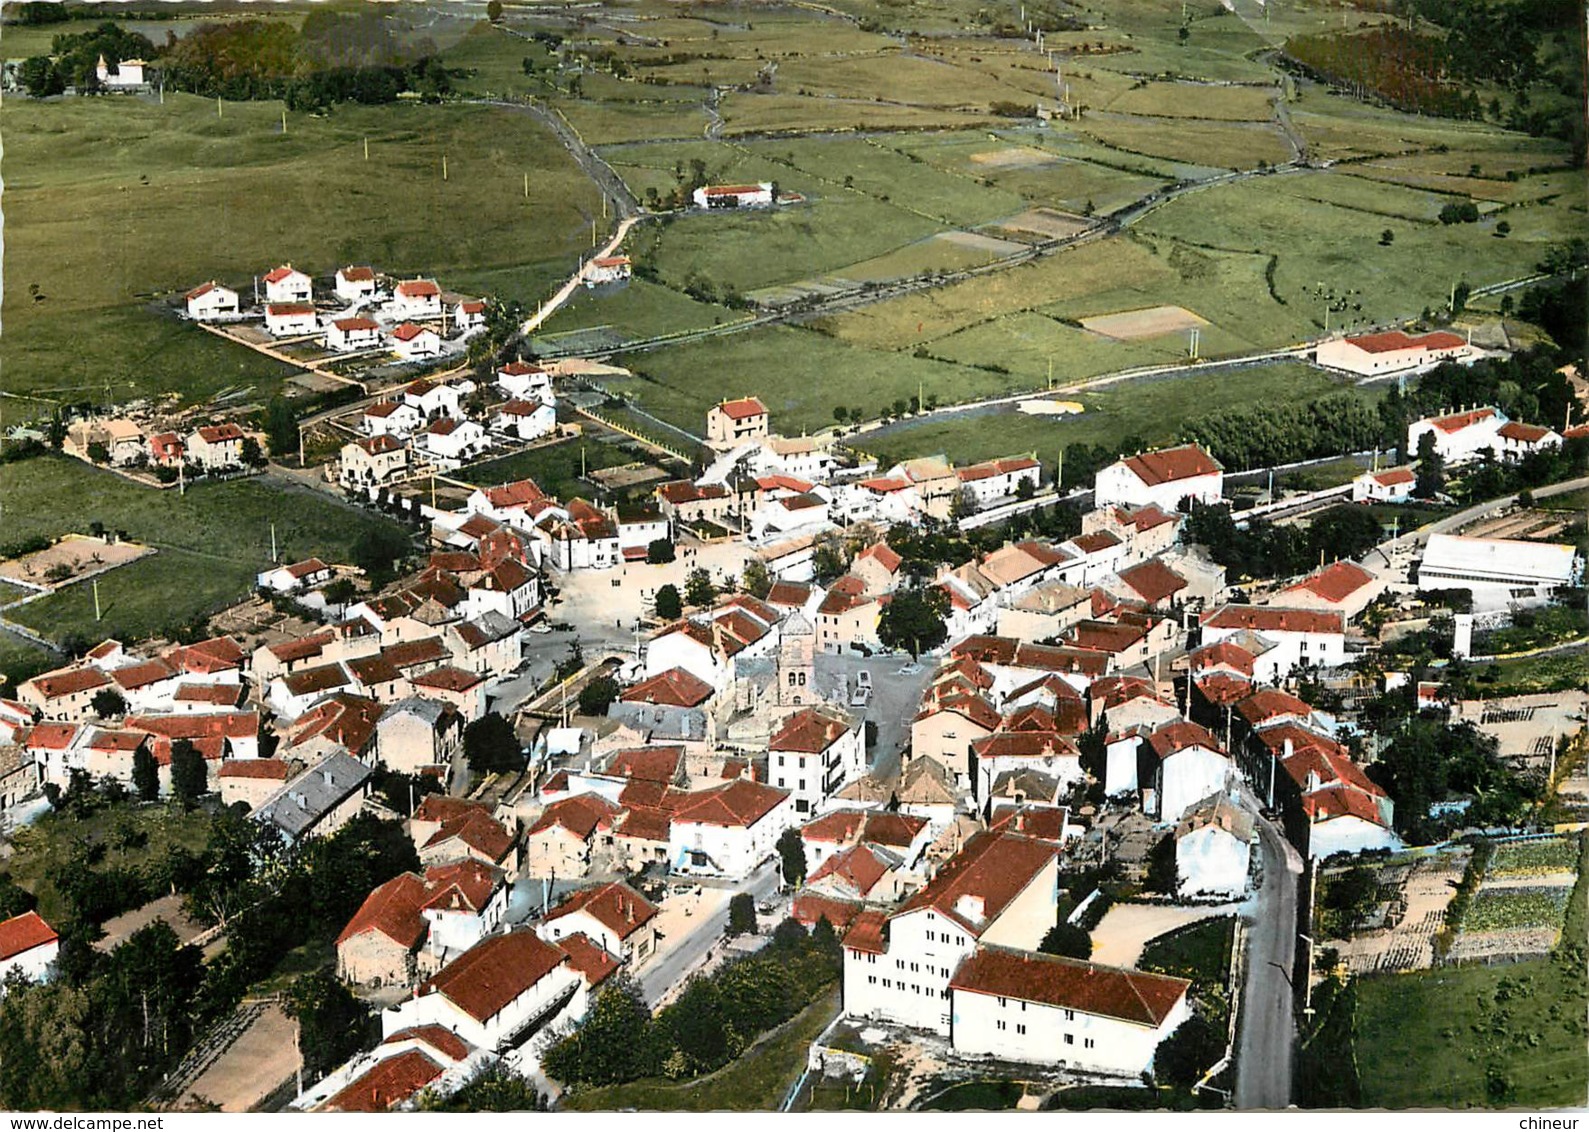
x=1261, y=436
x=1269, y=550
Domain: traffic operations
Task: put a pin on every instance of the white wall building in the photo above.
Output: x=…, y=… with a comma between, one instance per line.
x=1300, y=638
x=728, y=830
x=211, y=300
x=1374, y=355
x=284, y=320
x=1458, y=437
x=1164, y=478
x=286, y=284
x=1497, y=566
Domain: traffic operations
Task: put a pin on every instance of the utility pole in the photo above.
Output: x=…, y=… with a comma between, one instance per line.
x=273, y=557
x=96, y=600
x=284, y=121
x=444, y=167
x=366, y=147
x=526, y=186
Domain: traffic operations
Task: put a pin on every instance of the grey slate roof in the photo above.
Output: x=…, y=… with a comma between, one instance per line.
x=297, y=807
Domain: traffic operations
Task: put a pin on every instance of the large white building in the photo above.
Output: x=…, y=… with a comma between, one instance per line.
x=1298, y=638
x=1373, y=355
x=1164, y=478
x=728, y=830
x=210, y=300
x=1458, y=437
x=1497, y=565
x=813, y=754
x=733, y=196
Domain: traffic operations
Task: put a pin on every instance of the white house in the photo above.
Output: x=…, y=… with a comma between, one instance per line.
x=28, y=946
x=726, y=831
x=434, y=399
x=614, y=916
x=1191, y=766
x=1301, y=638
x=288, y=579
x=1022, y=1006
x=813, y=754
x=127, y=75
x=287, y=319
x=468, y=314
x=608, y=269
x=391, y=418
x=585, y=539
x=1496, y=566
x=1373, y=355
x=733, y=196
x=1458, y=437
x=1392, y=485
x=216, y=446
x=735, y=421
x=1164, y=478
x=372, y=460
x=417, y=298
x=525, y=381
x=288, y=285
x=211, y=300
x=1213, y=849
x=347, y=334
x=996, y=480
x=1514, y=440
x=525, y=420
x=639, y=525
x=451, y=440
x=414, y=342
x=1000, y=889
x=707, y=645
x=355, y=284
x=492, y=994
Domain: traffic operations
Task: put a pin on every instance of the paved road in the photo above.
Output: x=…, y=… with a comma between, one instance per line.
x=897, y=684
x=1268, y=1029
x=676, y=964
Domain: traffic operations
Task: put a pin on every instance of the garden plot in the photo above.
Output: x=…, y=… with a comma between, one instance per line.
x=73, y=558
x=1149, y=322
x=1519, y=908
x=1047, y=223
x=1014, y=157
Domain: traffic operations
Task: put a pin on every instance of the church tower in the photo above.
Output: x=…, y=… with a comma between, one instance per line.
x=797, y=684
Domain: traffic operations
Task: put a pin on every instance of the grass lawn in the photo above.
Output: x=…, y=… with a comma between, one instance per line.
x=756, y=1082
x=638, y=309
x=117, y=206
x=1240, y=145
x=1152, y=410
x=1557, y=672
x=20, y=659
x=130, y=835
x=978, y=1096
x=1470, y=1037
x=1199, y=951
x=211, y=541
x=556, y=467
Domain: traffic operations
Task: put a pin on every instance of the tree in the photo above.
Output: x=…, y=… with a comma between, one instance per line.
x=332, y=1024
x=792, y=852
x=698, y=588
x=914, y=621
x=756, y=579
x=145, y=774
x=840, y=414
x=496, y=1088
x=597, y=695
x=190, y=777
x=108, y=702
x=1192, y=1050
x=98, y=453
x=741, y=915
x=40, y=77
x=669, y=606
x=493, y=10
x=1431, y=473
x=659, y=552
x=253, y=456
x=613, y=1043
x=1067, y=940
x=378, y=549
x=1386, y=238
x=489, y=744
x=281, y=427
x=827, y=560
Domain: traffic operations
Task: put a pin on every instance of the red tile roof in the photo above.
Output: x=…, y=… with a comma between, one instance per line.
x=1272, y=703
x=287, y=310
x=417, y=288
x=390, y=1083
x=1393, y=476
x=587, y=957
x=355, y=274
x=867, y=931
x=447, y=678
x=274, y=770
x=738, y=803
x=69, y=681
x=1172, y=464
x=809, y=907
x=1071, y=984
x=807, y=732
x=746, y=407
x=677, y=687
x=23, y=933
x=1222, y=654
x=1042, y=822
x=392, y=909
x=644, y=823
x=1153, y=581
x=648, y=764
x=857, y=868
x=494, y=972
x=1274, y=619
x=347, y=325
x=1335, y=583
x=438, y=1038
x=1525, y=433
x=408, y=332
x=581, y=815
x=1456, y=422
x=616, y=906
x=885, y=555
x=976, y=885
x=1391, y=340
x=477, y=830
x=1173, y=738
x=280, y=273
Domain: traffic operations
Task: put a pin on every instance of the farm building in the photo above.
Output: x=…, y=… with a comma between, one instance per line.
x=1372, y=355
x=733, y=196
x=607, y=269
x=1458, y=437
x=1453, y=562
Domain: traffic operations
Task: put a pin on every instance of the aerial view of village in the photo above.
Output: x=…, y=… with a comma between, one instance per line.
x=798, y=556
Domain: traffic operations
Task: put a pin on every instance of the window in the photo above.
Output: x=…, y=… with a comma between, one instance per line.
x=1020, y=1028
x=914, y=968
x=871, y=958
x=1004, y=1002
x=802, y=676
x=1088, y=1043
x=900, y=963
x=1070, y=1039
x=888, y=984
x=871, y=978
x=1070, y=1015
x=932, y=936
x=780, y=760
x=1000, y=1024
x=1023, y=1006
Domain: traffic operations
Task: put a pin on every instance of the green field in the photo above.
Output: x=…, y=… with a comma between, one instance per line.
x=556, y=468
x=1472, y=1036
x=1200, y=951
x=211, y=542
x=114, y=207
x=20, y=659
x=1503, y=909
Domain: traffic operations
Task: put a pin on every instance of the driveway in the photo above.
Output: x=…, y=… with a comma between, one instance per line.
x=1268, y=1028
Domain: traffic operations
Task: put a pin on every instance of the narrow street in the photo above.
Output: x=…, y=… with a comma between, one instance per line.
x=678, y=958
x=1267, y=1037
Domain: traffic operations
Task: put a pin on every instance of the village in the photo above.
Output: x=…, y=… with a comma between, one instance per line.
x=992, y=773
